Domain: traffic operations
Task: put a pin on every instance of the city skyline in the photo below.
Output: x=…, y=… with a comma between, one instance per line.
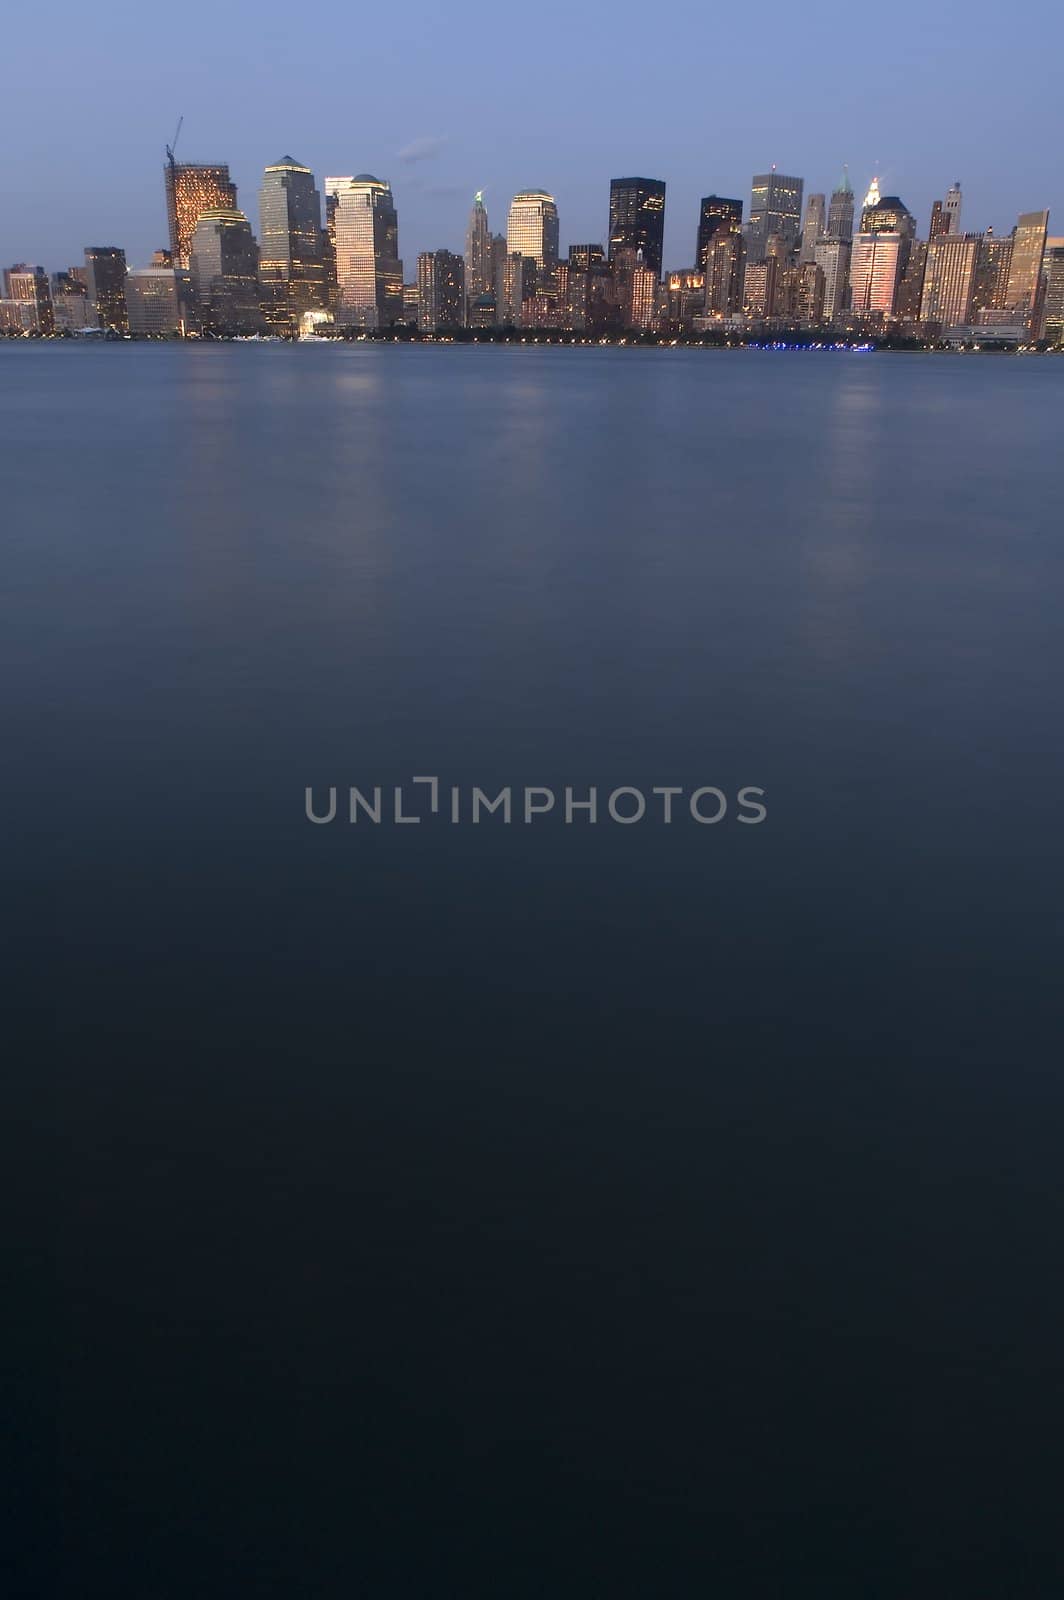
x=446, y=112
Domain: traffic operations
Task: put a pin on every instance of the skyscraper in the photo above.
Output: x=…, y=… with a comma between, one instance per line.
x=775, y=208
x=1025, y=266
x=478, y=266
x=952, y=207
x=532, y=230
x=1054, y=301
x=716, y=216
x=832, y=256
x=369, y=273
x=840, y=211
x=725, y=261
x=814, y=226
x=637, y=218
x=949, y=278
x=30, y=287
x=292, y=260
x=154, y=301
x=225, y=272
x=876, y=266
x=192, y=189
x=441, y=291
x=990, y=290
x=105, y=280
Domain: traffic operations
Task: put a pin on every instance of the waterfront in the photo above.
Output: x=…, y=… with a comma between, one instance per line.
x=499, y=1180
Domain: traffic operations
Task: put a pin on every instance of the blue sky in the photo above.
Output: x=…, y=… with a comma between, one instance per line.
x=443, y=100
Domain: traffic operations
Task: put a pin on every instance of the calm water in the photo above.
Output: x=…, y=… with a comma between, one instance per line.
x=537, y=1210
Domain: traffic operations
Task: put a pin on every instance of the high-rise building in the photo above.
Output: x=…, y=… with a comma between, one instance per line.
x=887, y=214
x=1025, y=265
x=513, y=286
x=585, y=256
x=637, y=218
x=952, y=208
x=153, y=298
x=291, y=256
x=105, y=277
x=441, y=291
x=840, y=210
x=949, y=279
x=192, y=189
x=30, y=287
x=725, y=263
x=716, y=216
x=815, y=224
x=876, y=266
x=832, y=256
x=911, y=284
x=775, y=209
x=643, y=295
x=225, y=272
x=810, y=288
x=70, y=303
x=532, y=230
x=478, y=264
x=1053, y=309
x=369, y=273
x=939, y=220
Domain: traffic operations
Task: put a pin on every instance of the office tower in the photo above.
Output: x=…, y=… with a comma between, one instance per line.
x=1053, y=309
x=190, y=191
x=516, y=277
x=532, y=230
x=291, y=257
x=411, y=304
x=369, y=273
x=939, y=220
x=105, y=278
x=832, y=256
x=70, y=303
x=990, y=289
x=815, y=225
x=949, y=278
x=1025, y=267
x=637, y=218
x=441, y=291
x=478, y=264
x=876, y=265
x=775, y=208
x=154, y=301
x=911, y=284
x=725, y=264
x=585, y=256
x=761, y=287
x=840, y=210
x=716, y=215
x=887, y=215
x=644, y=284
x=29, y=286
x=810, y=287
x=225, y=272
x=952, y=208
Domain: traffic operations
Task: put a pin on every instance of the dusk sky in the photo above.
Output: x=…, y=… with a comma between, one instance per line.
x=443, y=101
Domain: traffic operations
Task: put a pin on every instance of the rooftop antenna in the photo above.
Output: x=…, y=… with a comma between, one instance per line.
x=173, y=145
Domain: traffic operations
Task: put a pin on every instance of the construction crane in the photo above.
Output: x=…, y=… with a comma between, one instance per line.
x=173, y=146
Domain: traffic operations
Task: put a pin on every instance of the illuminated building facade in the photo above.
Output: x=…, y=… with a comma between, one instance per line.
x=1025, y=264
x=513, y=286
x=532, y=230
x=291, y=255
x=153, y=299
x=105, y=279
x=29, y=287
x=441, y=291
x=479, y=275
x=190, y=191
x=717, y=216
x=949, y=279
x=1053, y=325
x=369, y=273
x=775, y=209
x=832, y=256
x=876, y=266
x=990, y=289
x=637, y=218
x=70, y=302
x=225, y=272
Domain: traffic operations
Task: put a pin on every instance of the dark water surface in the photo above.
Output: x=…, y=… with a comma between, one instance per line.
x=444, y=1211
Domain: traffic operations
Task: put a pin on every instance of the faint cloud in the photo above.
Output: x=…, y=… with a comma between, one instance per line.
x=426, y=148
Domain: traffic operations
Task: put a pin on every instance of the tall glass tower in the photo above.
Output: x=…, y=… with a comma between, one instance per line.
x=479, y=277
x=775, y=208
x=192, y=189
x=369, y=273
x=532, y=228
x=637, y=218
x=290, y=240
x=840, y=210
